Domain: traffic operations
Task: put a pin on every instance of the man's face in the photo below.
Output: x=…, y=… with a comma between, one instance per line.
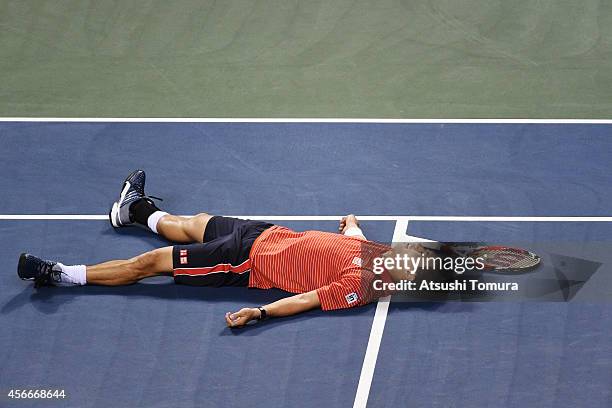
x=405, y=260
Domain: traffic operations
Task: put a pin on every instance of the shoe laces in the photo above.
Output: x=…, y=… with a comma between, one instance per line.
x=46, y=273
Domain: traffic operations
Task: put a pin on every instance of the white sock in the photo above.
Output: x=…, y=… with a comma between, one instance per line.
x=154, y=219
x=72, y=275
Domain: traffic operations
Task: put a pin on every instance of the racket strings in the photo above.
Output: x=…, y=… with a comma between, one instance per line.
x=507, y=258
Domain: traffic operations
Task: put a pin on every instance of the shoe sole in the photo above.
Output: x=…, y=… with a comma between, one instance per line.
x=111, y=215
x=114, y=212
x=21, y=265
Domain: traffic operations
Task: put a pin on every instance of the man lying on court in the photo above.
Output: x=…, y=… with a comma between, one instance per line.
x=325, y=270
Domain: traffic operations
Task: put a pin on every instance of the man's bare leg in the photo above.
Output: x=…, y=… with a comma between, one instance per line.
x=183, y=229
x=128, y=271
x=111, y=273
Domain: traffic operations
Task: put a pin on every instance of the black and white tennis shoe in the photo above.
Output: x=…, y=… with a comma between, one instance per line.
x=133, y=190
x=41, y=271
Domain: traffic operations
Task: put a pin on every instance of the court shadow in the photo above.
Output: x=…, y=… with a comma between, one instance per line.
x=439, y=306
x=47, y=300
x=256, y=328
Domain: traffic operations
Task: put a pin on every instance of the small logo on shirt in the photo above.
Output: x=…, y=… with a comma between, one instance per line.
x=183, y=256
x=357, y=261
x=351, y=298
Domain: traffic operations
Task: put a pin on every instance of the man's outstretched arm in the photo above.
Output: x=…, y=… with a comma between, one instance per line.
x=283, y=307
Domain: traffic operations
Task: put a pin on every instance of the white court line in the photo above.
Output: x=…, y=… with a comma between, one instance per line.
x=378, y=324
x=369, y=361
x=376, y=333
x=444, y=218
x=310, y=120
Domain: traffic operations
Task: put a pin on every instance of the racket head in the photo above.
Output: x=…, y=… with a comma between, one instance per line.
x=504, y=259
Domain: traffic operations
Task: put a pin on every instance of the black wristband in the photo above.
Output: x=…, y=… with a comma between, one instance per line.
x=262, y=313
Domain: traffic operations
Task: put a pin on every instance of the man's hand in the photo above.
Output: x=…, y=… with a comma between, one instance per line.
x=284, y=307
x=347, y=222
x=241, y=317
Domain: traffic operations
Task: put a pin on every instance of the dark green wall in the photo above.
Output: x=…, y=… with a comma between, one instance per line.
x=404, y=59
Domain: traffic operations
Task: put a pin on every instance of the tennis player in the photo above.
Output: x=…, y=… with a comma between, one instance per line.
x=325, y=270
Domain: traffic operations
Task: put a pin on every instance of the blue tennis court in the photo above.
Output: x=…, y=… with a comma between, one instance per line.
x=157, y=344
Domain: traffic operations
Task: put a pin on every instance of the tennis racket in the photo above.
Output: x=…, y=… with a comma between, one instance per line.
x=500, y=259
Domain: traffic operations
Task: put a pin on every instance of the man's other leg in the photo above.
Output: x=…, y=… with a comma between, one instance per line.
x=172, y=227
x=200, y=228
x=134, y=206
x=183, y=229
